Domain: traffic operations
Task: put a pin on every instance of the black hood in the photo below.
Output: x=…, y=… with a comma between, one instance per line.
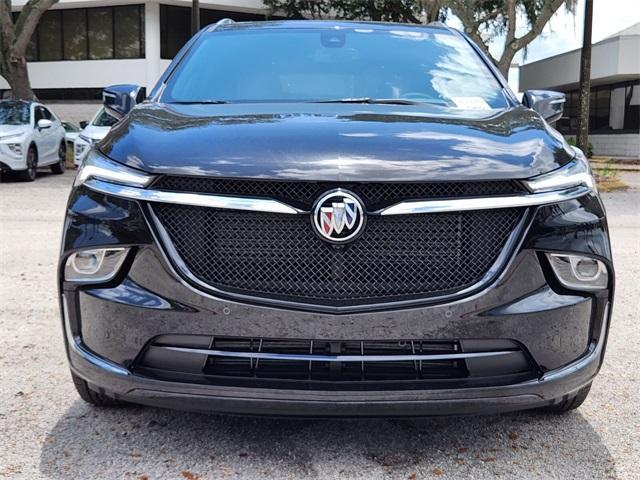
x=336, y=142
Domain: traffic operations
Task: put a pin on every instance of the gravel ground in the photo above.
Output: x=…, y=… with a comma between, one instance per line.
x=46, y=431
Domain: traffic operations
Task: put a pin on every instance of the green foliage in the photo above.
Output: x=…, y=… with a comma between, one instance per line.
x=404, y=11
x=588, y=153
x=483, y=20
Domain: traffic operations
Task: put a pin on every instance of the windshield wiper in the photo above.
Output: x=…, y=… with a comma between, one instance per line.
x=201, y=102
x=388, y=101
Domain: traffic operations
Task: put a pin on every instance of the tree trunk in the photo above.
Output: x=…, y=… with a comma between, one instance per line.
x=195, y=17
x=504, y=64
x=582, y=137
x=17, y=76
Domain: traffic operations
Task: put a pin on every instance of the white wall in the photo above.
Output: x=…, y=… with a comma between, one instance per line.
x=618, y=145
x=615, y=57
x=85, y=73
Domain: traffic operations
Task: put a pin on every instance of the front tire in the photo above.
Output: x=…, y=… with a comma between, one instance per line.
x=58, y=168
x=92, y=397
x=570, y=403
x=29, y=175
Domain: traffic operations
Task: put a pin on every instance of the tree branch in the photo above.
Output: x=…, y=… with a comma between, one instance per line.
x=27, y=23
x=550, y=7
x=464, y=12
x=7, y=33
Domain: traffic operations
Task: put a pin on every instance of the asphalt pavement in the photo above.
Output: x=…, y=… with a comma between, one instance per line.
x=46, y=431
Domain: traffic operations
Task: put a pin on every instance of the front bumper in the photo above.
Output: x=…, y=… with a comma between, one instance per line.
x=108, y=327
x=9, y=161
x=112, y=379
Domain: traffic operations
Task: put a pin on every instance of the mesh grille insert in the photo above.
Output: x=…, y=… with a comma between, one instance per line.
x=302, y=194
x=280, y=256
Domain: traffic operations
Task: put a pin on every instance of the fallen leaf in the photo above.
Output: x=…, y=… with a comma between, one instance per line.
x=413, y=476
x=488, y=459
x=513, y=435
x=189, y=476
x=438, y=472
x=462, y=449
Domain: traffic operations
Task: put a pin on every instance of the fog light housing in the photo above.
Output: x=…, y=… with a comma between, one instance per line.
x=15, y=148
x=94, y=265
x=579, y=272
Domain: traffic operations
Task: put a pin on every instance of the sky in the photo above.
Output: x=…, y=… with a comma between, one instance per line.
x=563, y=33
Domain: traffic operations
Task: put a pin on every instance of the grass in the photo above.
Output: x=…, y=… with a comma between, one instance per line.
x=69, y=162
x=607, y=178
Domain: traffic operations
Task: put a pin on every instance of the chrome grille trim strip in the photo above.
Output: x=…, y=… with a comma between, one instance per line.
x=193, y=199
x=484, y=203
x=335, y=358
x=275, y=206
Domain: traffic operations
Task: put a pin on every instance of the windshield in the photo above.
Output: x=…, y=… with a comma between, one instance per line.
x=103, y=119
x=429, y=64
x=14, y=113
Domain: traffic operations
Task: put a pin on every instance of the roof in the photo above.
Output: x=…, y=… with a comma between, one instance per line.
x=305, y=24
x=11, y=100
x=627, y=32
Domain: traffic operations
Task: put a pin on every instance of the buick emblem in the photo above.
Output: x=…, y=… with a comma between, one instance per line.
x=338, y=216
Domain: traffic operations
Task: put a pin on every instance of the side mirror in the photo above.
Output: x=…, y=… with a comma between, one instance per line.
x=120, y=99
x=83, y=124
x=44, y=123
x=549, y=104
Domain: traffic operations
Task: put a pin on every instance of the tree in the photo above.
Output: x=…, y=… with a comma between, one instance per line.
x=582, y=139
x=406, y=11
x=483, y=20
x=14, y=40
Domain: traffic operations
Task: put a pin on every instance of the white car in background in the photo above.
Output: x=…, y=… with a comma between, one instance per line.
x=31, y=136
x=92, y=132
x=71, y=132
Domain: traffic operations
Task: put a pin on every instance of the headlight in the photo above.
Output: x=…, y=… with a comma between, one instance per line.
x=94, y=265
x=97, y=166
x=579, y=272
x=86, y=139
x=574, y=174
x=13, y=136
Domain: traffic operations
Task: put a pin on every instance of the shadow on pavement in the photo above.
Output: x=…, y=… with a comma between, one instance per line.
x=148, y=443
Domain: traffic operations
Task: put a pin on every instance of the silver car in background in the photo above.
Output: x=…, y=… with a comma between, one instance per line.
x=92, y=132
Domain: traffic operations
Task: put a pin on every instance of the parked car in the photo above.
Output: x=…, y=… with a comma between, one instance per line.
x=71, y=133
x=93, y=131
x=31, y=136
x=335, y=219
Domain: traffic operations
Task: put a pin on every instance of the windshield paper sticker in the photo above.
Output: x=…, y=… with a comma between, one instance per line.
x=471, y=103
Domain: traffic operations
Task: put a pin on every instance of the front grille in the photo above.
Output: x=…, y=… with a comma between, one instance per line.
x=280, y=256
x=302, y=194
x=227, y=360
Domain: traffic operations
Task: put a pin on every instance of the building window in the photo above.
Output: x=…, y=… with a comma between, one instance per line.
x=89, y=33
x=599, y=108
x=74, y=29
x=100, y=23
x=632, y=107
x=175, y=25
x=129, y=31
x=612, y=109
x=50, y=36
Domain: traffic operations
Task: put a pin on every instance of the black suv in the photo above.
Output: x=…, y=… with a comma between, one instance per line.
x=334, y=219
